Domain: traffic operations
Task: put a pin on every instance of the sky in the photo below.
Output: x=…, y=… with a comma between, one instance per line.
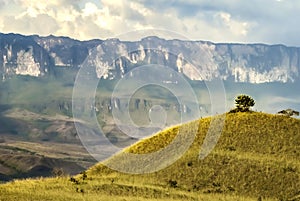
x=234, y=21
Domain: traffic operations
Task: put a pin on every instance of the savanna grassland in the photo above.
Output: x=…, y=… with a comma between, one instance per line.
x=256, y=158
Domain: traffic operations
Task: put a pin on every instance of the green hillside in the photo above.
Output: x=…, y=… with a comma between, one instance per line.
x=257, y=158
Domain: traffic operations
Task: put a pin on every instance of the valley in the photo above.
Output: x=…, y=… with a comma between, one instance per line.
x=36, y=117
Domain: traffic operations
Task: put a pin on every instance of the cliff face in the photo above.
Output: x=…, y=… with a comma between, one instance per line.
x=112, y=58
x=35, y=56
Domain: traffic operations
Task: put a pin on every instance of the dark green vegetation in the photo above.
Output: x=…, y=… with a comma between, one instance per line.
x=243, y=103
x=256, y=157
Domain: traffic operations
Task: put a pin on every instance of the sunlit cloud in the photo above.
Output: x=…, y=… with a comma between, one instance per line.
x=269, y=21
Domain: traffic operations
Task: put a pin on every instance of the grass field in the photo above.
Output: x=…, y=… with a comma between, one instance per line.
x=256, y=158
x=121, y=190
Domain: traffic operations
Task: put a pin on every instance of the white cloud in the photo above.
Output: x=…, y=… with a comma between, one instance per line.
x=222, y=21
x=90, y=9
x=236, y=27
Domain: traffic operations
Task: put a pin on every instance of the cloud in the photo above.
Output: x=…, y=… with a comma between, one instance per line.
x=269, y=21
x=42, y=24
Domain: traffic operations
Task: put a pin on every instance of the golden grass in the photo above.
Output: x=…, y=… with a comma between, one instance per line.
x=62, y=189
x=256, y=156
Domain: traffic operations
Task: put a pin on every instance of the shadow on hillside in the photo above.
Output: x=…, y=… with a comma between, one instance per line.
x=10, y=126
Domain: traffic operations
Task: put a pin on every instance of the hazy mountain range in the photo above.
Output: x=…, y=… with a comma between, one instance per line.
x=38, y=75
x=198, y=60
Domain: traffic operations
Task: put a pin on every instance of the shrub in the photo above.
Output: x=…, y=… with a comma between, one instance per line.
x=173, y=183
x=243, y=103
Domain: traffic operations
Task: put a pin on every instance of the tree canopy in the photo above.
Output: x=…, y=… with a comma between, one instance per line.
x=243, y=103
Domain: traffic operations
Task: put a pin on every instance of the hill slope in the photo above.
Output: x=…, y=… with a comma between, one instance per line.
x=256, y=156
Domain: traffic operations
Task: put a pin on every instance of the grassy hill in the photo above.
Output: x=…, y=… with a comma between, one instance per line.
x=257, y=157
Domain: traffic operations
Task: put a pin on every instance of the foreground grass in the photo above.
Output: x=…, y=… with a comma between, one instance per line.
x=101, y=189
x=257, y=156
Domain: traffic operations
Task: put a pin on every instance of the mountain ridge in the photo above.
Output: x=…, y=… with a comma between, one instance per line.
x=198, y=60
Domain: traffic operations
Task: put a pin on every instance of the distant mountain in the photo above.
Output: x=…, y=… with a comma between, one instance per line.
x=251, y=63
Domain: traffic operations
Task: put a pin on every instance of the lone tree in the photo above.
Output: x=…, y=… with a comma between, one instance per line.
x=243, y=103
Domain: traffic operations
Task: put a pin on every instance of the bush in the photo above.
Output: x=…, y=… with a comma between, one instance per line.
x=173, y=183
x=243, y=104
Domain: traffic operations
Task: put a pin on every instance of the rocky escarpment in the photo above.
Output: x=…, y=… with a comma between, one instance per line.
x=112, y=58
